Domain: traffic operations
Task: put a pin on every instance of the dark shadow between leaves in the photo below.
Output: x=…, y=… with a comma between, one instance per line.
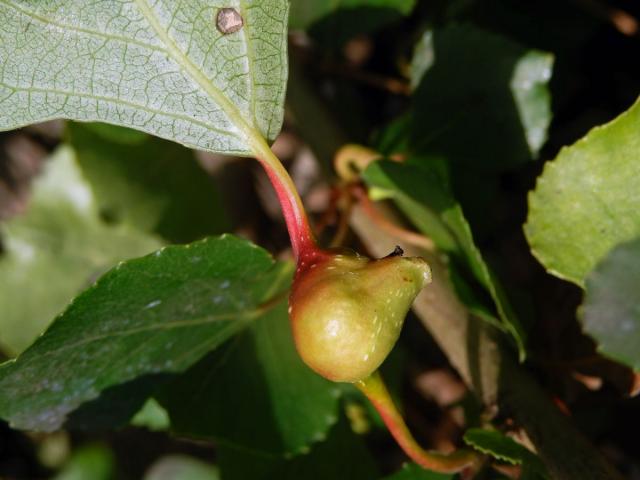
x=335, y=29
x=115, y=406
x=465, y=112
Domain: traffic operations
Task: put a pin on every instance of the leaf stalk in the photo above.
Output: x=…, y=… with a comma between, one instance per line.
x=303, y=241
x=376, y=391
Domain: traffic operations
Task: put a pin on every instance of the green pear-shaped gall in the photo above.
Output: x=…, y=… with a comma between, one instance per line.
x=347, y=311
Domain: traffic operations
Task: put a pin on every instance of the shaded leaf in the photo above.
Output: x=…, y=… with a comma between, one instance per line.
x=420, y=188
x=162, y=67
x=157, y=314
x=482, y=101
x=411, y=471
x=306, y=12
x=256, y=394
x=586, y=201
x=181, y=467
x=341, y=455
x=60, y=237
x=149, y=183
x=116, y=406
x=611, y=310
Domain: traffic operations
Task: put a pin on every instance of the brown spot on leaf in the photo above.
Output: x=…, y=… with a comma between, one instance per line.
x=229, y=20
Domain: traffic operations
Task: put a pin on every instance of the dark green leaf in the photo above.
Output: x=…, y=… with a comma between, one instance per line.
x=256, y=394
x=483, y=101
x=157, y=314
x=496, y=444
x=151, y=184
x=501, y=447
x=341, y=455
x=306, y=12
x=420, y=189
x=587, y=199
x=412, y=471
x=611, y=311
x=55, y=250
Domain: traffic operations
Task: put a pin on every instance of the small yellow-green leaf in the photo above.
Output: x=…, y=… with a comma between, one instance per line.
x=588, y=199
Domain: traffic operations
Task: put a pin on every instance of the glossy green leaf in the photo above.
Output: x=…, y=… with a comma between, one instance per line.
x=341, y=455
x=181, y=467
x=411, y=471
x=586, y=201
x=162, y=67
x=611, y=310
x=306, y=12
x=420, y=188
x=157, y=314
x=503, y=448
x=496, y=444
x=55, y=250
x=256, y=394
x=482, y=101
x=148, y=183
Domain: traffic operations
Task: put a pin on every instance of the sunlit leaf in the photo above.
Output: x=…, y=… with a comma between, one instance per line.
x=586, y=201
x=163, y=67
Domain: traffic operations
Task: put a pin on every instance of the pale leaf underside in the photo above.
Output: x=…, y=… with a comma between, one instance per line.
x=160, y=66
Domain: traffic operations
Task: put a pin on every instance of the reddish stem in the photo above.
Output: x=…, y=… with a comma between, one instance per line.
x=302, y=239
x=376, y=391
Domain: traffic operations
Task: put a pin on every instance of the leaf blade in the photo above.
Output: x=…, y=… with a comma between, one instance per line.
x=279, y=407
x=162, y=68
x=585, y=202
x=611, y=309
x=156, y=314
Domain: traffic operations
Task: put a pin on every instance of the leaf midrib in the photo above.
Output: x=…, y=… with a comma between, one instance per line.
x=239, y=317
x=196, y=75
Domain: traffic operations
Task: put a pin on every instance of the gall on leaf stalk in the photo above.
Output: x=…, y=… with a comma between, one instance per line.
x=347, y=312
